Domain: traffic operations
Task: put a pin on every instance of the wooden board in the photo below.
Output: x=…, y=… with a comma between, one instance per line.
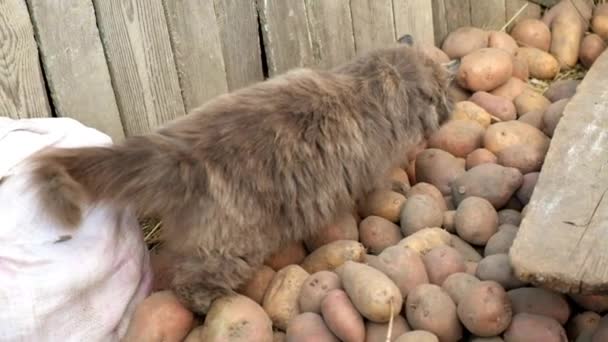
x=332, y=31
x=197, y=49
x=440, y=25
x=136, y=41
x=457, y=14
x=513, y=6
x=286, y=34
x=373, y=25
x=75, y=65
x=488, y=14
x=416, y=18
x=561, y=243
x=22, y=90
x=238, y=27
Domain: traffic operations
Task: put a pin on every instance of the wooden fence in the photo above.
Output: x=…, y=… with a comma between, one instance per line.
x=127, y=66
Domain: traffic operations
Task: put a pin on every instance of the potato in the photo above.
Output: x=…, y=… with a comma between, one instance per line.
x=525, y=158
x=371, y=291
x=434, y=53
x=540, y=301
x=599, y=25
x=458, y=137
x=582, y=7
x=377, y=233
x=485, y=339
x=376, y=332
x=442, y=261
x=532, y=33
x=332, y=255
x=457, y=285
x=419, y=212
x=501, y=242
x=426, y=239
x=277, y=336
x=485, y=309
x=480, y=156
x=492, y=182
x=281, y=301
x=502, y=40
x=527, y=327
x=520, y=68
x=345, y=228
x=314, y=289
x=541, y=64
x=553, y=115
x=341, y=316
x=530, y=100
x=524, y=193
x=448, y=221
x=430, y=190
x=591, y=48
x=439, y=168
x=468, y=252
x=471, y=267
x=399, y=180
x=504, y=134
x=497, y=106
x=403, y=266
x=586, y=321
x=601, y=333
x=159, y=317
x=256, y=287
x=533, y=118
x=428, y=307
x=463, y=41
x=383, y=203
x=292, y=253
x=567, y=34
x=497, y=267
x=595, y=303
x=236, y=318
x=467, y=110
x=511, y=89
x=309, y=327
x=476, y=220
x=485, y=69
x=561, y=89
x=509, y=216
x=418, y=336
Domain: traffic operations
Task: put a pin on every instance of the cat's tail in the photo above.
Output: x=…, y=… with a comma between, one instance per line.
x=147, y=173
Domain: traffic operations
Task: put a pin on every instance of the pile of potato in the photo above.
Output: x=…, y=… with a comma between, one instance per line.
x=428, y=258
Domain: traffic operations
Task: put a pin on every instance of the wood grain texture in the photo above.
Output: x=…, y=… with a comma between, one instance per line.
x=416, y=18
x=561, y=242
x=331, y=29
x=488, y=14
x=457, y=14
x=136, y=40
x=238, y=27
x=286, y=34
x=513, y=6
x=440, y=25
x=75, y=64
x=22, y=90
x=373, y=24
x=197, y=49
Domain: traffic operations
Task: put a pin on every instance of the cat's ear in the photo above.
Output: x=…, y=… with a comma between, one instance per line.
x=406, y=39
x=452, y=68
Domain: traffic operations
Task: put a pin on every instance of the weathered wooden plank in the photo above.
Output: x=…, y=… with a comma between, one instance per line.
x=488, y=14
x=238, y=26
x=416, y=18
x=561, y=243
x=22, y=91
x=440, y=25
x=332, y=31
x=373, y=25
x=532, y=10
x=75, y=65
x=197, y=49
x=286, y=34
x=457, y=14
x=136, y=40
